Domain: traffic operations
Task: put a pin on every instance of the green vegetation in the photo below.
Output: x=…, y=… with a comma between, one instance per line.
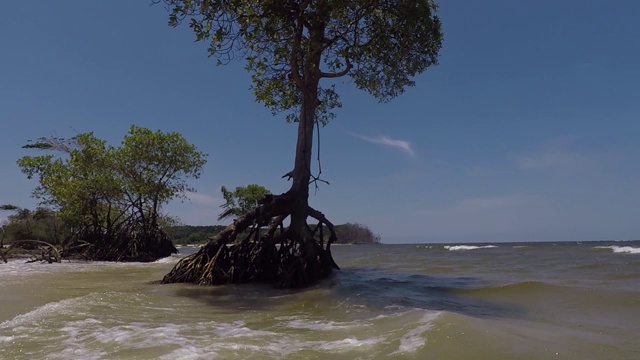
x=109, y=198
x=188, y=234
x=41, y=224
x=353, y=233
x=46, y=225
x=290, y=47
x=242, y=200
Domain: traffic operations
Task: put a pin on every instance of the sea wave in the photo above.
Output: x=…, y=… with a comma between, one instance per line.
x=65, y=307
x=524, y=288
x=16, y=269
x=85, y=335
x=414, y=339
x=168, y=260
x=621, y=249
x=468, y=247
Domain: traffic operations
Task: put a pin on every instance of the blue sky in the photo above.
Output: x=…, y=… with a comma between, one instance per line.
x=527, y=130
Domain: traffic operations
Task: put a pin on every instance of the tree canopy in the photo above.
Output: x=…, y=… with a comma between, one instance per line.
x=294, y=51
x=111, y=197
x=292, y=44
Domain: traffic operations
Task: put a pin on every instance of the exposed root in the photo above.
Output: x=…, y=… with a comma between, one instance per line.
x=47, y=252
x=258, y=248
x=132, y=241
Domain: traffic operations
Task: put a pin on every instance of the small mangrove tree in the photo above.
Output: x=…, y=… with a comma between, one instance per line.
x=110, y=198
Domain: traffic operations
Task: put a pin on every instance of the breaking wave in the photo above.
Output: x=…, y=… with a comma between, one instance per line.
x=468, y=247
x=86, y=335
x=621, y=249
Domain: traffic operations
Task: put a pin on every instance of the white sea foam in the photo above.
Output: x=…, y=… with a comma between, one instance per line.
x=83, y=335
x=190, y=352
x=238, y=329
x=196, y=341
x=168, y=260
x=414, y=338
x=78, y=353
x=346, y=343
x=468, y=247
x=17, y=269
x=191, y=340
x=66, y=306
x=318, y=325
x=621, y=249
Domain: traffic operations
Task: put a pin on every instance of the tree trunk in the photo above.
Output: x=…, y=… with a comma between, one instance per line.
x=302, y=168
x=295, y=257
x=304, y=147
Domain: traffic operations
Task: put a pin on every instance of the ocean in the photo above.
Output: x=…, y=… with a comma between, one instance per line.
x=420, y=301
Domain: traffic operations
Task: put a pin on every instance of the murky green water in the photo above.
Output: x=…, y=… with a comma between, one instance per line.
x=511, y=301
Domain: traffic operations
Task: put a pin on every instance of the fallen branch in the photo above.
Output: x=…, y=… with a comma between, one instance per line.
x=50, y=255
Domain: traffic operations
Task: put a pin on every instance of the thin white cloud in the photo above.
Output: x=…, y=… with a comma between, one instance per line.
x=402, y=145
x=554, y=153
x=547, y=160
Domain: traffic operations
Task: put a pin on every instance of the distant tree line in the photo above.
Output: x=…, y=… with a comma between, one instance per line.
x=354, y=233
x=54, y=227
x=47, y=225
x=349, y=233
x=188, y=234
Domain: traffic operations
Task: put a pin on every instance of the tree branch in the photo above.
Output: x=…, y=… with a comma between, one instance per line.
x=344, y=71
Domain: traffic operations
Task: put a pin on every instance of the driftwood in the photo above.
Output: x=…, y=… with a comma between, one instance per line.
x=47, y=253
